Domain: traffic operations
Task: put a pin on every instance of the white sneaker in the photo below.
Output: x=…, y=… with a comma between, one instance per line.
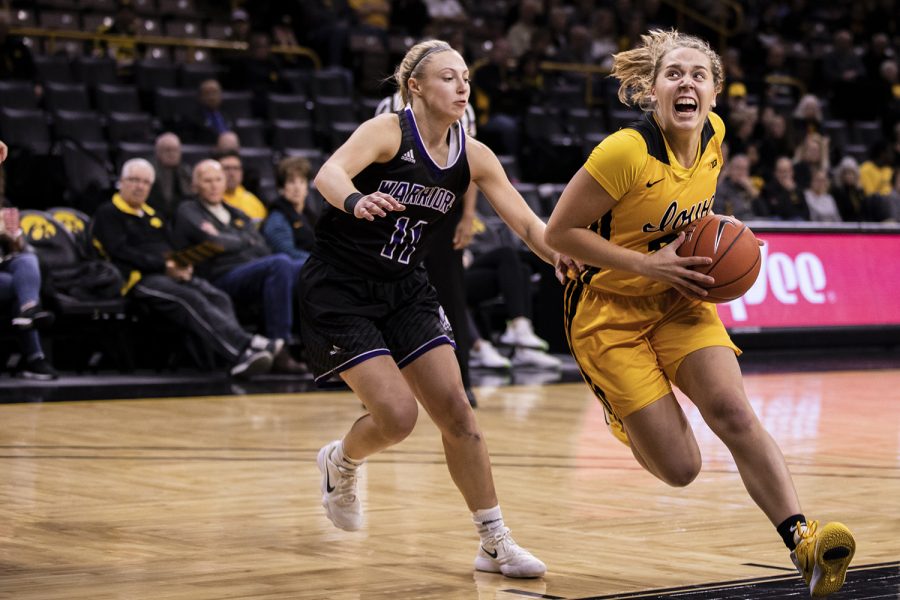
x=520, y=333
x=487, y=356
x=501, y=554
x=528, y=357
x=339, y=497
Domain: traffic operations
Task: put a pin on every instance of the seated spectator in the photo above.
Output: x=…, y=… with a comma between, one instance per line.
x=230, y=141
x=808, y=115
x=173, y=177
x=852, y=202
x=877, y=173
x=289, y=227
x=124, y=23
x=240, y=26
x=245, y=269
x=20, y=287
x=811, y=154
x=496, y=269
x=892, y=201
x=236, y=194
x=257, y=70
x=137, y=240
x=207, y=121
x=820, y=202
x=737, y=194
x=783, y=199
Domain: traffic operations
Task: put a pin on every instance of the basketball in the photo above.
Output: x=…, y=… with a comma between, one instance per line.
x=734, y=250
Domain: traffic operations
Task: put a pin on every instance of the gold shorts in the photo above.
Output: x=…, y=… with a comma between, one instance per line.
x=629, y=348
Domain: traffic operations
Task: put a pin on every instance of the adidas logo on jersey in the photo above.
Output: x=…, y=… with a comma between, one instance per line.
x=408, y=156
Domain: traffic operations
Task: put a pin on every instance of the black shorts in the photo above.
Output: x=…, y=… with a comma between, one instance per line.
x=346, y=319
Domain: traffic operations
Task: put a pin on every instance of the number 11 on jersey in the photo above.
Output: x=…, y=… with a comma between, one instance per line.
x=403, y=240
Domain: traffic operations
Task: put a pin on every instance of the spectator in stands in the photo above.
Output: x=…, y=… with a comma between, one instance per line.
x=851, y=200
x=783, y=199
x=498, y=99
x=737, y=194
x=137, y=240
x=892, y=201
x=519, y=34
x=808, y=115
x=245, y=269
x=173, y=177
x=240, y=26
x=820, y=202
x=229, y=141
x=876, y=174
x=257, y=70
x=811, y=154
x=776, y=140
x=409, y=17
x=125, y=23
x=208, y=121
x=844, y=70
x=16, y=61
x=371, y=16
x=496, y=270
x=605, y=37
x=236, y=194
x=289, y=227
x=20, y=288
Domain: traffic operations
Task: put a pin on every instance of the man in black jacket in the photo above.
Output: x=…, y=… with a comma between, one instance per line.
x=135, y=238
x=245, y=269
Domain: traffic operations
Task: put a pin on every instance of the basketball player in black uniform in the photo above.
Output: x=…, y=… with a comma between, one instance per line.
x=368, y=311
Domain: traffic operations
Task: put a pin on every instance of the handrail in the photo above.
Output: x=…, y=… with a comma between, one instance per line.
x=718, y=26
x=159, y=40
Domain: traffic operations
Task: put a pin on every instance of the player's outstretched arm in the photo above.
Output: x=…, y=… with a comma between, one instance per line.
x=489, y=176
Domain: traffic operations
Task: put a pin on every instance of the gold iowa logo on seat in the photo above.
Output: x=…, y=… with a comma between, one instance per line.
x=69, y=220
x=37, y=227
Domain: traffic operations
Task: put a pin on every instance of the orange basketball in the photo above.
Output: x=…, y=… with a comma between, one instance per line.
x=735, y=254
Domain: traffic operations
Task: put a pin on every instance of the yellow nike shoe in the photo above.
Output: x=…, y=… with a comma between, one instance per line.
x=822, y=556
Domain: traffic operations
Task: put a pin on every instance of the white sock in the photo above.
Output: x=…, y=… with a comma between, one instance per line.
x=488, y=521
x=339, y=458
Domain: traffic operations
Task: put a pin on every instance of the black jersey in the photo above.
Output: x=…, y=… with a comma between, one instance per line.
x=391, y=247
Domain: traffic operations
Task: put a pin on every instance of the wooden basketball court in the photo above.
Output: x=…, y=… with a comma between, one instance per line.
x=218, y=497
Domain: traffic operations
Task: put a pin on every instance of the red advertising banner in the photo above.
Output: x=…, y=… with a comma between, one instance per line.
x=821, y=280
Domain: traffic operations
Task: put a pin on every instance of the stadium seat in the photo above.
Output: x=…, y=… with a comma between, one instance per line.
x=252, y=132
x=17, y=94
x=89, y=174
x=237, y=105
x=107, y=6
x=291, y=107
x=619, y=118
x=260, y=160
x=145, y=7
x=340, y=132
x=25, y=129
x=151, y=75
x=117, y=98
x=178, y=8
x=191, y=154
x=93, y=324
x=219, y=31
x=171, y=105
x=191, y=75
x=59, y=19
x=128, y=150
x=179, y=28
x=291, y=134
x=83, y=126
x=66, y=96
x=867, y=133
x=129, y=127
x=53, y=68
x=297, y=80
x=75, y=221
x=93, y=70
x=92, y=22
x=331, y=82
x=838, y=131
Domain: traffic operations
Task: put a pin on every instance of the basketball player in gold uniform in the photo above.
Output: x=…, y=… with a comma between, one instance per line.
x=635, y=320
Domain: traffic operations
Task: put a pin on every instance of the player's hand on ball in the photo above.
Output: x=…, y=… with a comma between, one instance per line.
x=376, y=204
x=666, y=265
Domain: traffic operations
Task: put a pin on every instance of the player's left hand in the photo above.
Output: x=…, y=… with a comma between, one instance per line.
x=464, y=233
x=376, y=204
x=567, y=268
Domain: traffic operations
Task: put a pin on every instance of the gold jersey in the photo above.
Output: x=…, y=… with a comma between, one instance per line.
x=656, y=197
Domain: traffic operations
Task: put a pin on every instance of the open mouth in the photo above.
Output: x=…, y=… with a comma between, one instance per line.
x=685, y=106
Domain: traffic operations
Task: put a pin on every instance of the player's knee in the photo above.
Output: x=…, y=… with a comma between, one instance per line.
x=732, y=418
x=681, y=475
x=399, y=423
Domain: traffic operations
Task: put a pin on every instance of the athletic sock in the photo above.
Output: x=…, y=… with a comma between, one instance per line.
x=788, y=530
x=488, y=521
x=342, y=460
